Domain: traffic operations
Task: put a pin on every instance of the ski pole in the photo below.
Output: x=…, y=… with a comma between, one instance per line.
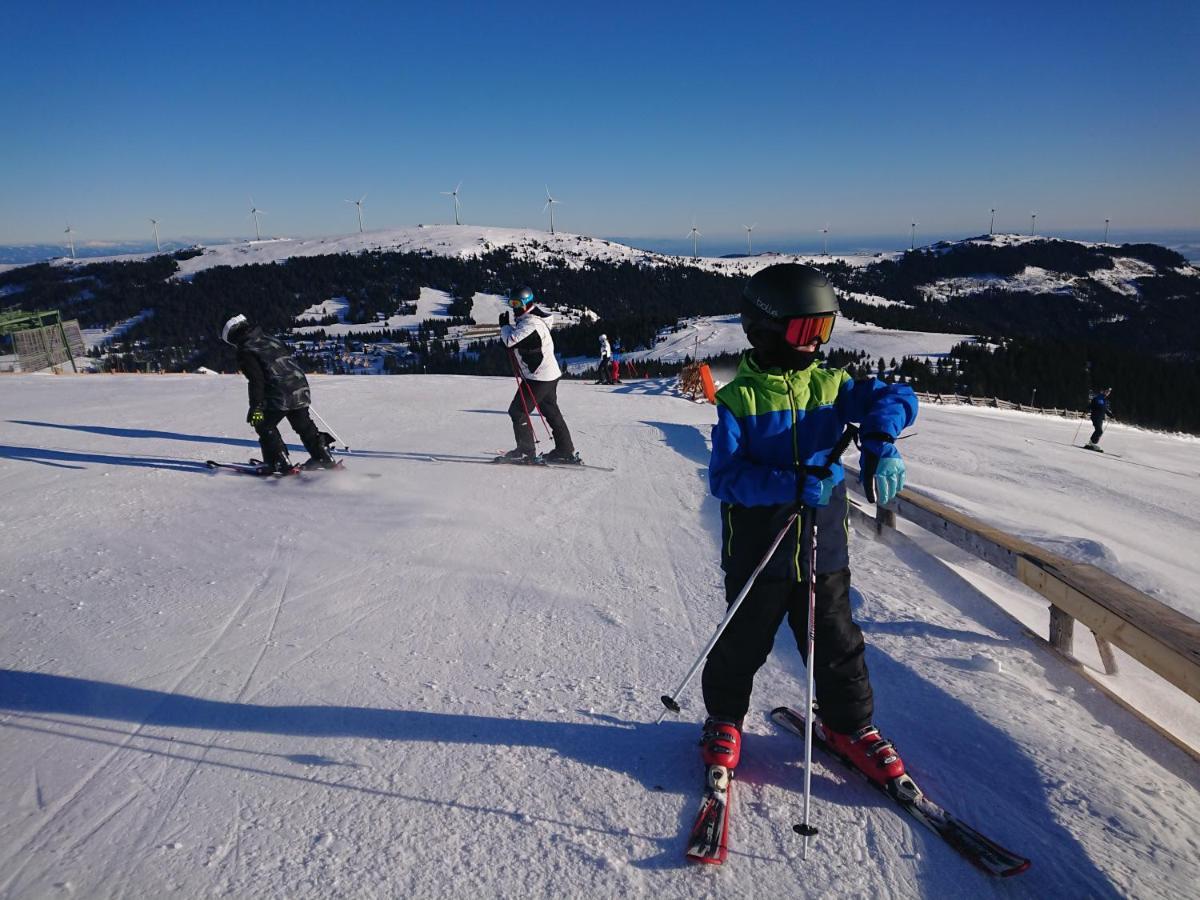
x=669, y=701
x=327, y=427
x=808, y=525
x=521, y=396
x=521, y=388
x=1074, y=439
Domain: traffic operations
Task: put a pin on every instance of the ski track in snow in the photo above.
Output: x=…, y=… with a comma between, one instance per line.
x=442, y=681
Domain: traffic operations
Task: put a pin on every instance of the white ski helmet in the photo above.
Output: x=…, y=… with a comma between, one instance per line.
x=231, y=326
x=604, y=337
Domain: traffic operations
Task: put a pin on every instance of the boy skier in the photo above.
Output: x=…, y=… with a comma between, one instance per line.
x=1099, y=409
x=782, y=414
x=278, y=389
x=526, y=333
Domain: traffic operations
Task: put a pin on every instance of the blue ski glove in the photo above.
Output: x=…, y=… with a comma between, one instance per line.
x=881, y=468
x=814, y=491
x=889, y=479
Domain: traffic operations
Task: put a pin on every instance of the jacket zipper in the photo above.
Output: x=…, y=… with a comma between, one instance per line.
x=795, y=464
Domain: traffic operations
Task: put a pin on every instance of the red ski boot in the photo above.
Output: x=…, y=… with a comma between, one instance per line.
x=721, y=743
x=866, y=750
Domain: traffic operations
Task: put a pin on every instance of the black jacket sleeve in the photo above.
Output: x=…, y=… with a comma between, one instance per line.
x=255, y=375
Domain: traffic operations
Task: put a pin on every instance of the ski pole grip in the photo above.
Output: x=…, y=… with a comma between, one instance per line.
x=842, y=445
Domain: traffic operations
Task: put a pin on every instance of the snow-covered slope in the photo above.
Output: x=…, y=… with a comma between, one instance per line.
x=429, y=676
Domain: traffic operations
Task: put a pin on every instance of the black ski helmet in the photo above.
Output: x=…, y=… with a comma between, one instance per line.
x=785, y=291
x=520, y=297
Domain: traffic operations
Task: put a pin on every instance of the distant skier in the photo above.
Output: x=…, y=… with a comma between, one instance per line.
x=1099, y=410
x=278, y=389
x=783, y=413
x=526, y=333
x=604, y=370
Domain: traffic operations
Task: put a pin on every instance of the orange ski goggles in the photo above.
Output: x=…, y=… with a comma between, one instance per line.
x=802, y=331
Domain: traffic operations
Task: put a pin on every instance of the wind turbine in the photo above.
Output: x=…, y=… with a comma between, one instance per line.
x=256, y=212
x=749, y=246
x=912, y=243
x=454, y=194
x=550, y=201
x=1106, y=231
x=695, y=235
x=358, y=204
x=825, y=231
x=992, y=226
x=1032, y=223
x=70, y=239
x=157, y=245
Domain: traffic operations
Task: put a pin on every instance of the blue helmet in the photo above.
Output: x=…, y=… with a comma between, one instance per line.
x=520, y=298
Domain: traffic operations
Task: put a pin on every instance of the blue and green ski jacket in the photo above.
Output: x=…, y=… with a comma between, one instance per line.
x=770, y=422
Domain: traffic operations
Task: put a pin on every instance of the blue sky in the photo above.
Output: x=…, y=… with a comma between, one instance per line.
x=638, y=116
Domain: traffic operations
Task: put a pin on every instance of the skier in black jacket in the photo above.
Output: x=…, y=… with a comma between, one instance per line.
x=278, y=389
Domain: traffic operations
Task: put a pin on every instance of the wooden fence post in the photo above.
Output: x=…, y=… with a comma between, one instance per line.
x=1062, y=632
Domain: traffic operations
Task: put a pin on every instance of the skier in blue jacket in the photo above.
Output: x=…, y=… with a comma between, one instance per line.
x=782, y=414
x=1099, y=410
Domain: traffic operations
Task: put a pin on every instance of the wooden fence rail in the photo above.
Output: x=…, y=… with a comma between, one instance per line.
x=1161, y=638
x=996, y=403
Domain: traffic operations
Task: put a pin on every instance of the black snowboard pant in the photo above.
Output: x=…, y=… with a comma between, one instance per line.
x=1098, y=429
x=843, y=686
x=273, y=447
x=530, y=397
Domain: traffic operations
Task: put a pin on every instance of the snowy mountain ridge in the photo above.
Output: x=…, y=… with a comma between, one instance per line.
x=463, y=241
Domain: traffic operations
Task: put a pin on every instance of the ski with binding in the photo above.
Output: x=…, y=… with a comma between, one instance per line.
x=708, y=841
x=973, y=846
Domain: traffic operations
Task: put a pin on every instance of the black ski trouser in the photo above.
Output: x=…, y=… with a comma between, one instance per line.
x=273, y=447
x=1098, y=429
x=843, y=685
x=530, y=397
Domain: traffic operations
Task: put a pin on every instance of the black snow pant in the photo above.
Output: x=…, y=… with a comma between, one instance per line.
x=530, y=397
x=274, y=449
x=1097, y=429
x=843, y=686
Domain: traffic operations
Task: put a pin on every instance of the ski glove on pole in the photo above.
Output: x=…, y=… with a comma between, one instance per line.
x=255, y=416
x=881, y=470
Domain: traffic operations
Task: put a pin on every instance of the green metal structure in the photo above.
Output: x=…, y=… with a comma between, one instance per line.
x=42, y=339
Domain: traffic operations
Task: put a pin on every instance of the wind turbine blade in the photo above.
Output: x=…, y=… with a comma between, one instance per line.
x=363, y=198
x=458, y=187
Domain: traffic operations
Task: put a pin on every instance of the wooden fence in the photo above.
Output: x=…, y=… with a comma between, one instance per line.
x=995, y=403
x=1161, y=638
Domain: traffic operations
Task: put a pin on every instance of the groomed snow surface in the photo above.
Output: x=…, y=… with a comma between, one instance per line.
x=432, y=677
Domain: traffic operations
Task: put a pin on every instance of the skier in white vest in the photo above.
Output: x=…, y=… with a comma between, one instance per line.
x=605, y=369
x=526, y=333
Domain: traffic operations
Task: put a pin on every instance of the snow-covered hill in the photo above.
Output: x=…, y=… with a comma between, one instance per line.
x=707, y=336
x=430, y=676
x=467, y=241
